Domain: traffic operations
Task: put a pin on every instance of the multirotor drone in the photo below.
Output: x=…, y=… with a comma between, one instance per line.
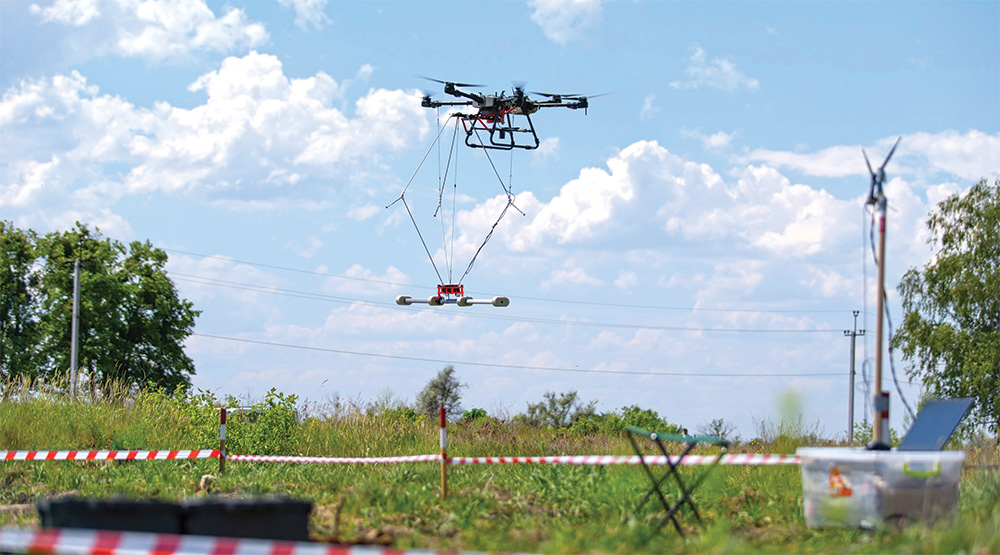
x=495, y=113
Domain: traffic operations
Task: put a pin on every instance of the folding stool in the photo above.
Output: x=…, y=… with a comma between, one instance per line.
x=672, y=467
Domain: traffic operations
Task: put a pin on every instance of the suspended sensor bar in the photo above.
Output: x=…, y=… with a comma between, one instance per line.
x=451, y=294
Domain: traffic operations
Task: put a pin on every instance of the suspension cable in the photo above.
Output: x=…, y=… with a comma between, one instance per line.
x=402, y=197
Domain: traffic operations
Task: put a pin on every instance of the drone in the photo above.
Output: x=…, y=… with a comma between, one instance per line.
x=494, y=114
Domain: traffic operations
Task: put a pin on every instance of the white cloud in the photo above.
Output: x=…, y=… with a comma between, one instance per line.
x=307, y=249
x=243, y=288
x=547, y=150
x=361, y=213
x=73, y=12
x=835, y=161
x=830, y=283
x=564, y=21
x=156, y=31
x=648, y=109
x=358, y=280
x=626, y=279
x=258, y=134
x=717, y=73
x=308, y=12
x=719, y=139
x=970, y=156
x=570, y=275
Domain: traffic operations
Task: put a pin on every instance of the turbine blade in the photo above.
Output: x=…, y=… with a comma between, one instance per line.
x=890, y=152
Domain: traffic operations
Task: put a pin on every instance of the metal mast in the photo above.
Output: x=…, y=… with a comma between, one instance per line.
x=876, y=196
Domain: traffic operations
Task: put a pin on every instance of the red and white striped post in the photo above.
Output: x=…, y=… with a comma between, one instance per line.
x=444, y=456
x=222, y=440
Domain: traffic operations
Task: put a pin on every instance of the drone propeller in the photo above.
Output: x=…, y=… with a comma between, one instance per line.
x=452, y=83
x=878, y=177
x=556, y=97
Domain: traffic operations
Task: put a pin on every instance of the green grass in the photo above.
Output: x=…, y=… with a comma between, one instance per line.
x=534, y=508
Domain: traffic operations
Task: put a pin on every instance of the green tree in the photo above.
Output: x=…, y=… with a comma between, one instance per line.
x=132, y=321
x=950, y=333
x=444, y=390
x=559, y=411
x=18, y=309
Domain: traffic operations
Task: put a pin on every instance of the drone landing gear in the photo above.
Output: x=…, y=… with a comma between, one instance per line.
x=451, y=294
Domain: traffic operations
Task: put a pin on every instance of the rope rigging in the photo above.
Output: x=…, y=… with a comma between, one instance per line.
x=454, y=288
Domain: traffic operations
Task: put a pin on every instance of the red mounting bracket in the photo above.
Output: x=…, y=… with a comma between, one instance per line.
x=455, y=290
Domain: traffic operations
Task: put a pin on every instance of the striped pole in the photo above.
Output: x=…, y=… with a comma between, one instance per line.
x=444, y=456
x=222, y=440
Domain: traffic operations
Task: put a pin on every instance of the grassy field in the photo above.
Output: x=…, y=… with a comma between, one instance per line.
x=533, y=508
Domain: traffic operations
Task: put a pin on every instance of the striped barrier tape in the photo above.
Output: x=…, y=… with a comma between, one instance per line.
x=594, y=460
x=108, y=542
x=655, y=460
x=332, y=460
x=108, y=455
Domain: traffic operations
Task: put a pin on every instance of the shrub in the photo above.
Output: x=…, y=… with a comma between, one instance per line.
x=558, y=411
x=474, y=414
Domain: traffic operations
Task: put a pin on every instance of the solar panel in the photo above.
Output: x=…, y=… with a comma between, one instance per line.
x=934, y=424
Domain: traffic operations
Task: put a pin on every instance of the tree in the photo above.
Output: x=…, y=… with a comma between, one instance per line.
x=132, y=321
x=717, y=427
x=18, y=310
x=950, y=333
x=444, y=390
x=559, y=411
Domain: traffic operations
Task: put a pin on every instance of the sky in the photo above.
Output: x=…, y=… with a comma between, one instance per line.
x=695, y=243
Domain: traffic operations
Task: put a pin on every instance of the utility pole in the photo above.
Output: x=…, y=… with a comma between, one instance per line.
x=853, y=333
x=75, y=333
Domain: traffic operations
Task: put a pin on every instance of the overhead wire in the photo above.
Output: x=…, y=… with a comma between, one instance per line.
x=529, y=298
x=486, y=316
x=514, y=366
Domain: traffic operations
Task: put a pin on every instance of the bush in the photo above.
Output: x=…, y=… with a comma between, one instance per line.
x=613, y=423
x=558, y=411
x=268, y=429
x=474, y=414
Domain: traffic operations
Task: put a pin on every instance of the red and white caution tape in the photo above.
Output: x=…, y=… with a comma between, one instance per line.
x=106, y=542
x=656, y=460
x=594, y=460
x=332, y=460
x=108, y=455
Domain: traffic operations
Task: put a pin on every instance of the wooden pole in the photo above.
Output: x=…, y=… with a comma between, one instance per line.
x=444, y=456
x=222, y=440
x=880, y=428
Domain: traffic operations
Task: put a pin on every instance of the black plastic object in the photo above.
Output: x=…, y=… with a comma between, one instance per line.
x=935, y=423
x=270, y=519
x=114, y=514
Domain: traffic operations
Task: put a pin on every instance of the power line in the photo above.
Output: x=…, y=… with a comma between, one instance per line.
x=511, y=366
x=540, y=299
x=551, y=321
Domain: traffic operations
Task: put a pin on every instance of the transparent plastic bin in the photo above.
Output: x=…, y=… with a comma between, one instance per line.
x=856, y=488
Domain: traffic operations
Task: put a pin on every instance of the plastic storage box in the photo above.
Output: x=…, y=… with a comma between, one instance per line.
x=857, y=488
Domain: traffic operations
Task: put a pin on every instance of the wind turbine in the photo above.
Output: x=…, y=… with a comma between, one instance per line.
x=876, y=196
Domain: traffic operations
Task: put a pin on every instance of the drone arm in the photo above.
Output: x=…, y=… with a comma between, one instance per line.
x=454, y=91
x=428, y=103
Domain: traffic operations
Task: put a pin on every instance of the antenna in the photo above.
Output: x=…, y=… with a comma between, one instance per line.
x=876, y=196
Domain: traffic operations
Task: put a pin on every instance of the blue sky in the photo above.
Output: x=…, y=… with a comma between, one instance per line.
x=694, y=244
